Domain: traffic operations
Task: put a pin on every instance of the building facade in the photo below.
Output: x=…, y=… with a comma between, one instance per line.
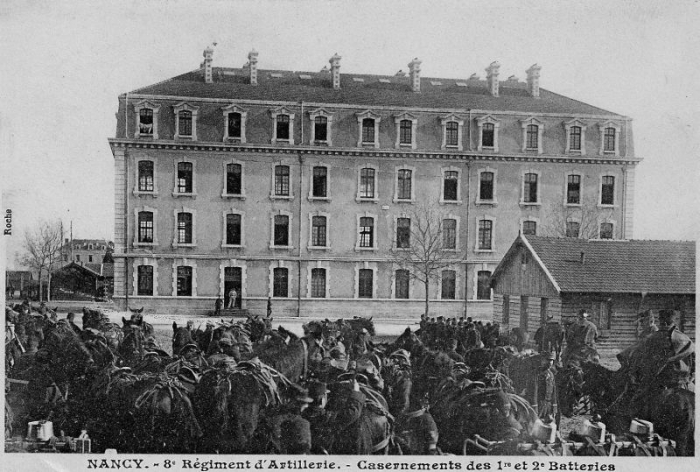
x=301, y=187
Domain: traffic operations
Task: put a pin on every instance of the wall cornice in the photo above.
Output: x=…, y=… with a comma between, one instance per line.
x=117, y=144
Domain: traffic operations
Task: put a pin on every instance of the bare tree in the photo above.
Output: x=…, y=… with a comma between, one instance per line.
x=569, y=221
x=426, y=246
x=42, y=250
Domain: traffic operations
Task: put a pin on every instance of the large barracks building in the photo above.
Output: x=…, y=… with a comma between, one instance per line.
x=300, y=187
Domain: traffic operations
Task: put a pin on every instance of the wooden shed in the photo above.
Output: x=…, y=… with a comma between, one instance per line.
x=613, y=279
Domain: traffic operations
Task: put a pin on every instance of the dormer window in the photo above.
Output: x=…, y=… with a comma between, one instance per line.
x=451, y=132
x=406, y=131
x=234, y=129
x=146, y=120
x=283, y=126
x=369, y=129
x=609, y=138
x=532, y=135
x=575, y=137
x=185, y=121
x=321, y=127
x=488, y=133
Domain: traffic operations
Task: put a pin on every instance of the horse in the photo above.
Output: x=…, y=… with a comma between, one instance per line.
x=112, y=332
x=137, y=316
x=131, y=350
x=671, y=410
x=230, y=401
x=182, y=336
x=284, y=352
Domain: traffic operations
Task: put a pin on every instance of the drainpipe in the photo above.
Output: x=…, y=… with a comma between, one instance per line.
x=466, y=239
x=126, y=203
x=301, y=194
x=622, y=205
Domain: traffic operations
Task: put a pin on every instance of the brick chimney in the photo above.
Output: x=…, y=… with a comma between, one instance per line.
x=335, y=70
x=414, y=71
x=208, y=53
x=533, y=80
x=253, y=66
x=492, y=77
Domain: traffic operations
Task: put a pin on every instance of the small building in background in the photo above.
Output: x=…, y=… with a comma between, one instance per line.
x=614, y=279
x=20, y=284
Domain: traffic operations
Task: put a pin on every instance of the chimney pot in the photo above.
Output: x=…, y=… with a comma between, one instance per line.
x=414, y=68
x=492, y=77
x=533, y=80
x=208, y=53
x=253, y=66
x=335, y=70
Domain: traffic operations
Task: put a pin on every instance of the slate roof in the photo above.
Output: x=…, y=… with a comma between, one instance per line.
x=618, y=266
x=233, y=84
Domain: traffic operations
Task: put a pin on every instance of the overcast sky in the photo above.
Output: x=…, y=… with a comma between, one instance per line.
x=64, y=63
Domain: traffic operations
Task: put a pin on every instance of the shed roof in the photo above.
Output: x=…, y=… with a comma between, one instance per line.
x=613, y=266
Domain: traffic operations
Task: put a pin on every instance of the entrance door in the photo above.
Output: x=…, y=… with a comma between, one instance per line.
x=232, y=280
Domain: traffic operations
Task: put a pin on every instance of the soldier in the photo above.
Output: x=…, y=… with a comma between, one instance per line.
x=473, y=340
x=452, y=352
x=646, y=324
x=581, y=338
x=223, y=351
x=546, y=397
x=71, y=317
x=399, y=382
x=417, y=432
x=319, y=418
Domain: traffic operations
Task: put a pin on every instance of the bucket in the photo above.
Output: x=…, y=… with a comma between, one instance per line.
x=594, y=430
x=40, y=430
x=545, y=432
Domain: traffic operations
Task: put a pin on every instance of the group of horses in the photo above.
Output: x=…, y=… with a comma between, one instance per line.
x=132, y=396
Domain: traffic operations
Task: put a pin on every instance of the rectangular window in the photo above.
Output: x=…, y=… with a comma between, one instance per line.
x=318, y=231
x=449, y=285
x=530, y=188
x=544, y=303
x=321, y=129
x=184, y=228
x=282, y=127
x=145, y=121
x=185, y=123
x=524, y=301
x=405, y=132
x=606, y=231
x=368, y=130
x=485, y=233
x=452, y=137
x=572, y=229
x=367, y=183
x=145, y=227
x=609, y=140
x=366, y=232
x=234, y=180
x=184, y=281
x=532, y=137
x=404, y=184
x=184, y=177
x=486, y=186
x=233, y=229
x=77, y=257
x=575, y=138
x=318, y=283
x=89, y=257
x=403, y=233
x=506, y=310
x=320, y=181
x=280, y=282
x=449, y=234
x=145, y=280
x=573, y=189
x=281, y=230
x=402, y=284
x=483, y=285
x=450, y=186
x=365, y=283
x=146, y=176
x=530, y=228
x=607, y=191
x=487, y=135
x=282, y=181
x=234, y=125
